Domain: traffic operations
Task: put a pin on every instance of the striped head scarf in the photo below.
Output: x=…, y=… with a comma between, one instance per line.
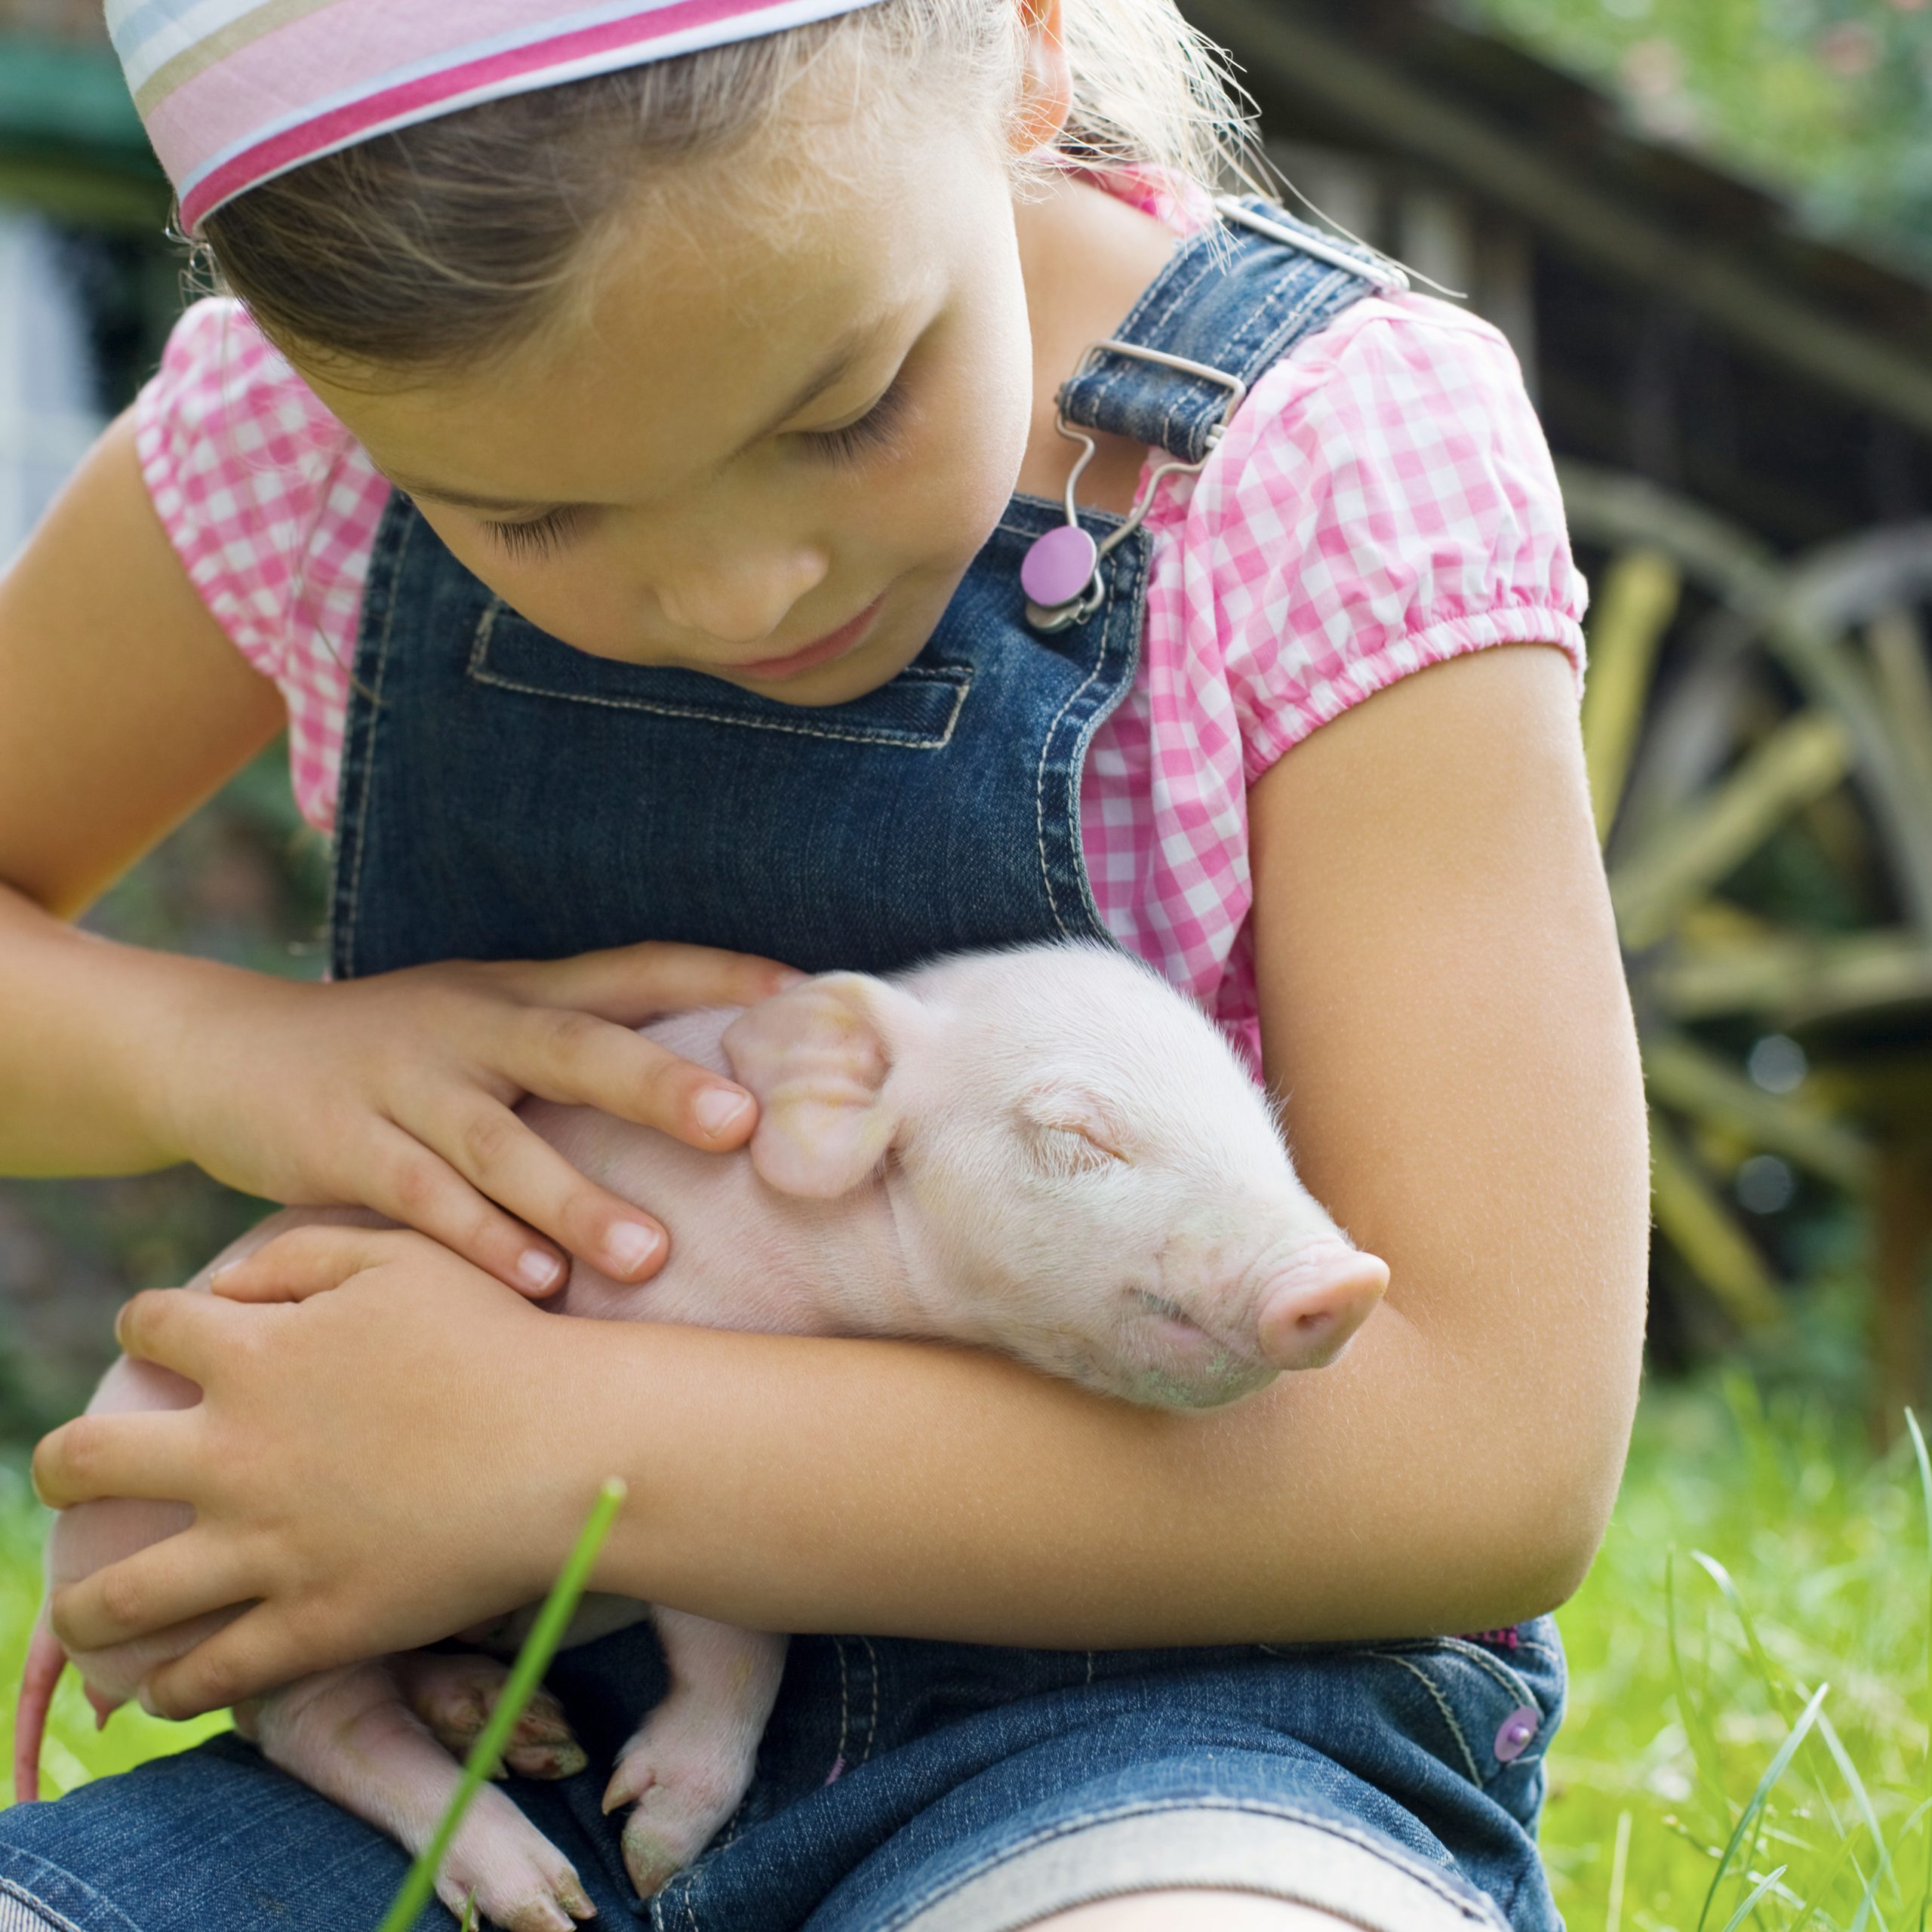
x=233, y=92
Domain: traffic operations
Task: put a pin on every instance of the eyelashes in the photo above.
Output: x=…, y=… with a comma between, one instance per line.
x=875, y=432
x=539, y=537
x=878, y=429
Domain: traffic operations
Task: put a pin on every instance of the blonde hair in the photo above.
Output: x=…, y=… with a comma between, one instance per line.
x=447, y=241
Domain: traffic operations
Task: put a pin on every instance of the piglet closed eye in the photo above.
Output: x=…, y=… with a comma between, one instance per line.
x=1045, y=1151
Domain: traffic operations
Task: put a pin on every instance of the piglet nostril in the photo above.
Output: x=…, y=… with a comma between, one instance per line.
x=1308, y=1315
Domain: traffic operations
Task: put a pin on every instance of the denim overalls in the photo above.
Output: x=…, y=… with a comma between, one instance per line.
x=504, y=795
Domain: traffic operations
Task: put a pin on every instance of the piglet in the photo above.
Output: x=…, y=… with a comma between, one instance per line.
x=1046, y=1150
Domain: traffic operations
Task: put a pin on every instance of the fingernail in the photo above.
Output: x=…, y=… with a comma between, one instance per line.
x=216, y=1273
x=537, y=1269
x=147, y=1702
x=630, y=1244
x=786, y=978
x=718, y=1108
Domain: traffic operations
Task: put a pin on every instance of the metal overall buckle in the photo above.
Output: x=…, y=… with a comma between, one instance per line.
x=1061, y=571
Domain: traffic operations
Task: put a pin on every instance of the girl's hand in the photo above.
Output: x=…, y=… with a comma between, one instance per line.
x=370, y=1469
x=395, y=1092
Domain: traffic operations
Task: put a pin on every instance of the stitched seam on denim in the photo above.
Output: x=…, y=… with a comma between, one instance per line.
x=366, y=771
x=1380, y=1846
x=962, y=683
x=1186, y=419
x=1262, y=339
x=905, y=743
x=872, y=1723
x=1106, y=521
x=1495, y=1668
x=1040, y=789
x=844, y=1704
x=1258, y=341
x=1442, y=1704
x=1126, y=608
x=47, y=1912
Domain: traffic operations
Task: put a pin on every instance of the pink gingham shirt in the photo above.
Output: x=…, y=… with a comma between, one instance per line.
x=1383, y=500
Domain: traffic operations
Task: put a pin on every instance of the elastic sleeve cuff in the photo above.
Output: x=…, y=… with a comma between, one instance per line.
x=1434, y=643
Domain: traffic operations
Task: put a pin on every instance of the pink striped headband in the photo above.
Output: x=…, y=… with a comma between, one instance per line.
x=234, y=91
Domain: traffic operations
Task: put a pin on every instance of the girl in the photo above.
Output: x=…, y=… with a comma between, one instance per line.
x=618, y=474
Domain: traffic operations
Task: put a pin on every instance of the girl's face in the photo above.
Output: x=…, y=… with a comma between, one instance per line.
x=767, y=449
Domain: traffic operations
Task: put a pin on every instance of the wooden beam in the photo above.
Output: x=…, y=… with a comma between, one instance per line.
x=1390, y=110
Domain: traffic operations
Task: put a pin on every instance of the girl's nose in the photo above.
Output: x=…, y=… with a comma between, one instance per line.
x=742, y=599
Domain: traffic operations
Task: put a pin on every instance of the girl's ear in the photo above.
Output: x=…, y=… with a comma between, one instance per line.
x=819, y=1058
x=1047, y=87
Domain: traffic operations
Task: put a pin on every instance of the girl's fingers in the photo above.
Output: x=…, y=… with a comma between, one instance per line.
x=309, y=1261
x=177, y=1328
x=413, y=1184
x=631, y=984
x=580, y=1060
x=510, y=1163
x=165, y=1584
x=150, y=1454
x=242, y=1659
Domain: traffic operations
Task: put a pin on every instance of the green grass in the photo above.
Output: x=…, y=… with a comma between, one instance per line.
x=1756, y=1559
x=75, y=1750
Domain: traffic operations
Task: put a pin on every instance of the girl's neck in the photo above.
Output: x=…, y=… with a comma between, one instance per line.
x=1085, y=256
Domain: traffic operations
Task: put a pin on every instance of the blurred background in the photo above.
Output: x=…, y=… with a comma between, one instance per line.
x=1706, y=226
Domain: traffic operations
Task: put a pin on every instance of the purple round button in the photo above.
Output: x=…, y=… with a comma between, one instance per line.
x=1517, y=1733
x=1059, y=566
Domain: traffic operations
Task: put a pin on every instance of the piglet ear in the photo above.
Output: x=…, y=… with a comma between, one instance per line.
x=819, y=1058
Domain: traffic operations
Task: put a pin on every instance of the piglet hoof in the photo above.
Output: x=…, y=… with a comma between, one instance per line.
x=516, y=1877
x=453, y=1694
x=673, y=1817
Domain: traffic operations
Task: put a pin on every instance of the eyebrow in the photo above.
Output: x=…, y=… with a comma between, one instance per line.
x=858, y=344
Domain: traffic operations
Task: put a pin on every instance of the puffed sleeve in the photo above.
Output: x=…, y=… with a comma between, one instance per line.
x=272, y=509
x=1384, y=500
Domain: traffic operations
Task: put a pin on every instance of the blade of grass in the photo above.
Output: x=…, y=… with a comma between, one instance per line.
x=1869, y=1903
x=1750, y=1904
x=1854, y=1783
x=1620, y=1865
x=1697, y=1731
x=1925, y=1498
x=1774, y=1772
x=526, y=1674
x=1761, y=1663
x=1814, y=1907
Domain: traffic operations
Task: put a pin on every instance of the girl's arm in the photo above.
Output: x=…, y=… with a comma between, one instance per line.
x=1443, y=1001
x=122, y=705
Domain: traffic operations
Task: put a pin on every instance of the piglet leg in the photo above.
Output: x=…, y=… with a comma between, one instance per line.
x=348, y=1734
x=692, y=1759
x=454, y=1692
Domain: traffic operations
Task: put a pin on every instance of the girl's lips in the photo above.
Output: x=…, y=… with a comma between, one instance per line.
x=834, y=643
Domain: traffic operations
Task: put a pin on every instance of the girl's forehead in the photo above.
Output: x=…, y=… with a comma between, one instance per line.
x=694, y=334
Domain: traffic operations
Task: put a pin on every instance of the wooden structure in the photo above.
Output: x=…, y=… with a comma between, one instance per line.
x=1744, y=418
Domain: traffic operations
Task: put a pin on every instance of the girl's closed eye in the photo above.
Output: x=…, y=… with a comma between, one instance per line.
x=535, y=537
x=877, y=430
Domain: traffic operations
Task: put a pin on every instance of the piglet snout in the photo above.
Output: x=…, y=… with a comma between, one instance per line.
x=1311, y=1309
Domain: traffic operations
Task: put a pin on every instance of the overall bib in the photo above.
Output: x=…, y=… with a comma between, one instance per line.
x=505, y=796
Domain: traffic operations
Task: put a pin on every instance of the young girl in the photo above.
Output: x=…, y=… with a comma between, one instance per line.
x=618, y=474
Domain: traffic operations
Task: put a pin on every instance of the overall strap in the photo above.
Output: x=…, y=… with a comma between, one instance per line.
x=1234, y=298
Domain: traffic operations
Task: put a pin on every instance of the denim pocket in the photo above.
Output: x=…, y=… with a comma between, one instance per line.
x=1488, y=1709
x=916, y=711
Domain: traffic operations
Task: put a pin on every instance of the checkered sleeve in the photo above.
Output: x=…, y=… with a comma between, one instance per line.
x=1387, y=501
x=272, y=509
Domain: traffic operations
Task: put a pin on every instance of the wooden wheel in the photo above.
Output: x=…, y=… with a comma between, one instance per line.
x=1759, y=737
